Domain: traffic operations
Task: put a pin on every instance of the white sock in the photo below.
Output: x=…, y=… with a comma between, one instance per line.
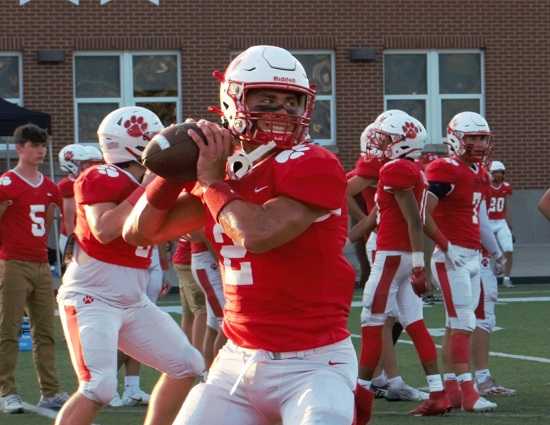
x=482, y=375
x=465, y=377
x=131, y=382
x=380, y=380
x=396, y=382
x=507, y=277
x=449, y=377
x=364, y=383
x=435, y=383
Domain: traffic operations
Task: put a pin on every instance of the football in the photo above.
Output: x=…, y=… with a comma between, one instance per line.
x=172, y=154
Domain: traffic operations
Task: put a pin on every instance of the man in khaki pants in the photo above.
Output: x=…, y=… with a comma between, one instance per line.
x=26, y=212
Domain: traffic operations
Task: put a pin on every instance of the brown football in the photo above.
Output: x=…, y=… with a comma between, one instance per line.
x=172, y=154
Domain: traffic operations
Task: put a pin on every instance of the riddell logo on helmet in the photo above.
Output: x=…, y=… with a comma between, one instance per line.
x=284, y=79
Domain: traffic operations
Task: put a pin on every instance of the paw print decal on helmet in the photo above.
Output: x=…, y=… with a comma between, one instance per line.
x=293, y=153
x=108, y=170
x=410, y=130
x=136, y=127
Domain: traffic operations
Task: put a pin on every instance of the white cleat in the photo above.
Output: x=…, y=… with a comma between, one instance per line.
x=116, y=401
x=135, y=398
x=507, y=283
x=405, y=393
x=483, y=405
x=490, y=388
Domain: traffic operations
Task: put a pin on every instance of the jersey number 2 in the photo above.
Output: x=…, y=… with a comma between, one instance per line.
x=235, y=270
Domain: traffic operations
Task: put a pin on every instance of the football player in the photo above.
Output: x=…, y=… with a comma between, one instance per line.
x=387, y=381
x=456, y=187
x=73, y=159
x=102, y=302
x=279, y=241
x=27, y=198
x=499, y=193
x=398, y=278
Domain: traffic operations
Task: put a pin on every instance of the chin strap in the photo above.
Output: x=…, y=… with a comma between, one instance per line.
x=240, y=163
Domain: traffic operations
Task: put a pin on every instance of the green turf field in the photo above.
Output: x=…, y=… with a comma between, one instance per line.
x=525, y=334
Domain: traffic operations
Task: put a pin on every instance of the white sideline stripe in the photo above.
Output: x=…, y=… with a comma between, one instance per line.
x=491, y=353
x=52, y=414
x=500, y=300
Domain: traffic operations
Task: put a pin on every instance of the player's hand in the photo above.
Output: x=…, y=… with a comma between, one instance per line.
x=148, y=177
x=498, y=265
x=455, y=259
x=363, y=405
x=212, y=154
x=165, y=289
x=419, y=281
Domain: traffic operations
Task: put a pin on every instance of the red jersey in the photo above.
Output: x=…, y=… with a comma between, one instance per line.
x=368, y=168
x=457, y=214
x=106, y=183
x=296, y=296
x=393, y=231
x=182, y=254
x=496, y=202
x=66, y=187
x=23, y=225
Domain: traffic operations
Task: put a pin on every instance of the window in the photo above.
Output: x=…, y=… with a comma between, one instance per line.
x=433, y=86
x=319, y=66
x=11, y=89
x=108, y=80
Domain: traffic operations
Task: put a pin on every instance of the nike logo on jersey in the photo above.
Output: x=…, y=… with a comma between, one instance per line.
x=331, y=363
x=259, y=189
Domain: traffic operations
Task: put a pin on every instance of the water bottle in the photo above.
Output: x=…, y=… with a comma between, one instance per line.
x=25, y=340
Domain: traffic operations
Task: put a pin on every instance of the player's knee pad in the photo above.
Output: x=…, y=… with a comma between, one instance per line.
x=488, y=323
x=101, y=388
x=465, y=319
x=368, y=318
x=189, y=363
x=505, y=240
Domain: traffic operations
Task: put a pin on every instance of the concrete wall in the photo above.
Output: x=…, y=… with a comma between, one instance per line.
x=529, y=226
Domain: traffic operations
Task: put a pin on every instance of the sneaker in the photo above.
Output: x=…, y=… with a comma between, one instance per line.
x=481, y=405
x=54, y=402
x=135, y=397
x=406, y=393
x=507, y=282
x=12, y=403
x=490, y=388
x=437, y=404
x=116, y=401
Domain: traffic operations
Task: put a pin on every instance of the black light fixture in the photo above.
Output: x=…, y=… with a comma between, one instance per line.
x=362, y=54
x=50, y=56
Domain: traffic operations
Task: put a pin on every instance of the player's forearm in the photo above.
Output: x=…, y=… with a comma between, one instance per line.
x=354, y=210
x=486, y=232
x=108, y=226
x=260, y=228
x=364, y=227
x=69, y=216
x=148, y=225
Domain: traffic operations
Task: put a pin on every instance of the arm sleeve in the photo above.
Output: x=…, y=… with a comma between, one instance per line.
x=488, y=239
x=398, y=175
x=440, y=189
x=367, y=168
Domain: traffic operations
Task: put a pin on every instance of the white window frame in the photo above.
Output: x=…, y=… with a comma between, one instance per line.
x=433, y=98
x=126, y=76
x=331, y=98
x=17, y=100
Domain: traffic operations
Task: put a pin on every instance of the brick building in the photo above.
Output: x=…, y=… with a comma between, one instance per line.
x=79, y=59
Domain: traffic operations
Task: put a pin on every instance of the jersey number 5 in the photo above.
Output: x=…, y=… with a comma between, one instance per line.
x=235, y=270
x=38, y=227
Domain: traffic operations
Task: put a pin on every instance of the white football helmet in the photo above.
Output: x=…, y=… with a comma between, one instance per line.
x=71, y=156
x=497, y=166
x=389, y=113
x=406, y=134
x=124, y=133
x=94, y=154
x=367, y=142
x=265, y=67
x=471, y=124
